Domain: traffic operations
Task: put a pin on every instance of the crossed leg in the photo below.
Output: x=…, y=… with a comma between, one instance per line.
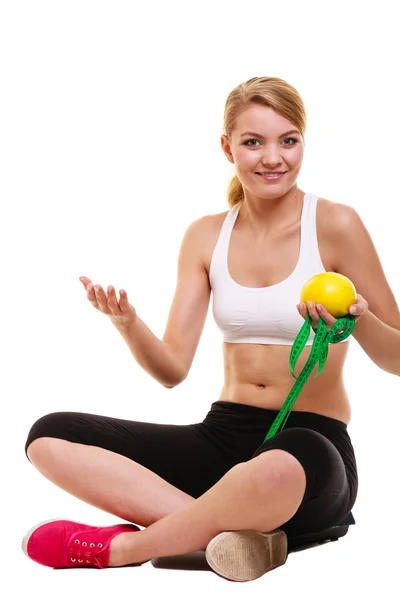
x=260, y=494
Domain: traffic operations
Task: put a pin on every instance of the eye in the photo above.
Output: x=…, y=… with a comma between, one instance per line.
x=251, y=145
x=293, y=140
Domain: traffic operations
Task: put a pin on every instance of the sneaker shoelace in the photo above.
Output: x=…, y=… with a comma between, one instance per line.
x=84, y=553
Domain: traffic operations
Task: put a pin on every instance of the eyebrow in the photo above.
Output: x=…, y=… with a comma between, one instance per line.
x=260, y=136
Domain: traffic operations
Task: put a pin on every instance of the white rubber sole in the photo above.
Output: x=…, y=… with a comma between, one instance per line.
x=248, y=554
x=25, y=539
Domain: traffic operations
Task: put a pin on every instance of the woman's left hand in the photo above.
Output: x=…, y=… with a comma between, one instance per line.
x=360, y=308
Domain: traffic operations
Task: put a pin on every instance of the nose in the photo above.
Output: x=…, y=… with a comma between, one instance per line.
x=271, y=158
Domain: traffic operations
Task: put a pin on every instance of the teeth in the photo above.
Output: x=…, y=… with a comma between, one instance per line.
x=271, y=174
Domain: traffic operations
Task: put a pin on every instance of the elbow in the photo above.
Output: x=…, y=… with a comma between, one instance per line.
x=177, y=371
x=169, y=385
x=178, y=374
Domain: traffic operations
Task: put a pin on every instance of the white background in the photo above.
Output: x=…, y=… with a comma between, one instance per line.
x=111, y=115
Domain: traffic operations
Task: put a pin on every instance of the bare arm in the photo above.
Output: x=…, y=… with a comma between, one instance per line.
x=380, y=341
x=167, y=360
x=153, y=355
x=378, y=330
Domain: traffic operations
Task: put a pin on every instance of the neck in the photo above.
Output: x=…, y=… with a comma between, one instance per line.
x=265, y=217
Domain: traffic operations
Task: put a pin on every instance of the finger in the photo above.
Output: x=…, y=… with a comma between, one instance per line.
x=300, y=308
x=357, y=309
x=101, y=298
x=329, y=319
x=360, y=305
x=324, y=314
x=89, y=287
x=313, y=313
x=113, y=301
x=303, y=310
x=123, y=300
x=85, y=280
x=91, y=295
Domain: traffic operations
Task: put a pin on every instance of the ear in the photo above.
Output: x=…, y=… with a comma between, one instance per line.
x=226, y=148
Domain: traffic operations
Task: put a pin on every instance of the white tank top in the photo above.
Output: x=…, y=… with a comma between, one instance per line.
x=266, y=315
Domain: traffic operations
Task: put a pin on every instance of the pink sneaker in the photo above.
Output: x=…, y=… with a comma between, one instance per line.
x=60, y=543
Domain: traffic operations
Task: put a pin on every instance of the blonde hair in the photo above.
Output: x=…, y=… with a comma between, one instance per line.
x=267, y=91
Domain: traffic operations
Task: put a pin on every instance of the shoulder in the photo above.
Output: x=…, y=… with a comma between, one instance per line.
x=339, y=212
x=202, y=234
x=343, y=228
x=331, y=215
x=206, y=225
x=337, y=221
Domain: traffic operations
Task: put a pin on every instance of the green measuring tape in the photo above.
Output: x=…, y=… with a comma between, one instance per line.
x=319, y=352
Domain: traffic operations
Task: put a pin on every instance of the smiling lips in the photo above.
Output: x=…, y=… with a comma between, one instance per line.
x=271, y=176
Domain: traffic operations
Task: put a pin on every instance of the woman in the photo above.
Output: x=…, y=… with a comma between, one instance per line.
x=217, y=484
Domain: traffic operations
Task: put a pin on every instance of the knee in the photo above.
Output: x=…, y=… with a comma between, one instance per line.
x=276, y=469
x=42, y=432
x=38, y=448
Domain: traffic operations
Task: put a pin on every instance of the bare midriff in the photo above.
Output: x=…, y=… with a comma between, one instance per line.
x=259, y=374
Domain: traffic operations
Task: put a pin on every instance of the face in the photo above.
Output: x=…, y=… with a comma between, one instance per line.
x=261, y=142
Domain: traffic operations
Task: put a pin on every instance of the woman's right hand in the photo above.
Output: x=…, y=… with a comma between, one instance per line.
x=120, y=311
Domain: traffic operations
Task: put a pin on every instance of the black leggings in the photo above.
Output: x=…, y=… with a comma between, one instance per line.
x=194, y=457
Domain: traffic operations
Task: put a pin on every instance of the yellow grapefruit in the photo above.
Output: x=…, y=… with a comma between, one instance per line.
x=333, y=290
